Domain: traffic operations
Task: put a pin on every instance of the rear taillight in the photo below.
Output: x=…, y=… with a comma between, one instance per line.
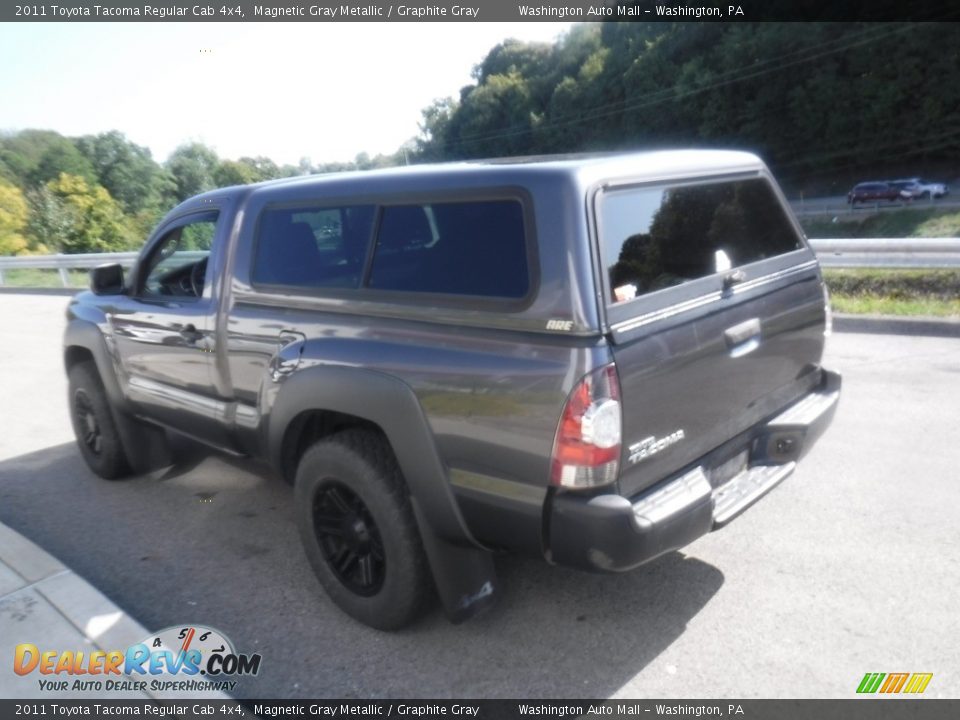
x=586, y=449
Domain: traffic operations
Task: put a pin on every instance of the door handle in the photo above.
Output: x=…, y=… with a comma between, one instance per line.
x=731, y=279
x=288, y=355
x=743, y=337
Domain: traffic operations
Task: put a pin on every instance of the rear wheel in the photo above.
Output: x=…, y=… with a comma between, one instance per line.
x=93, y=423
x=358, y=529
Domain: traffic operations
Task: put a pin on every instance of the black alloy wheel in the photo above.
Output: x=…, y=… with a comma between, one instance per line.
x=94, y=426
x=86, y=418
x=358, y=529
x=349, y=538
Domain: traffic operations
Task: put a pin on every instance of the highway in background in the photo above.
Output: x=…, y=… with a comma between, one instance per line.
x=851, y=566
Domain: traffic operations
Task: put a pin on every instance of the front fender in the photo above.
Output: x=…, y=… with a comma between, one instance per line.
x=145, y=445
x=85, y=334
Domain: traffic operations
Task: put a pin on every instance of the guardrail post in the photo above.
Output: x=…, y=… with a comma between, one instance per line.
x=64, y=276
x=1, y=277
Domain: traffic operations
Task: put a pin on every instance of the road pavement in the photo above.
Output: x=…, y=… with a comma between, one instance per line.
x=850, y=566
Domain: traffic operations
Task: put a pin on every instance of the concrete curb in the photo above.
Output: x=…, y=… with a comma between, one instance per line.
x=45, y=603
x=889, y=325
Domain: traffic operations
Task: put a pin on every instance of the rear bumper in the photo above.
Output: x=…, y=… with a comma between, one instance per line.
x=613, y=533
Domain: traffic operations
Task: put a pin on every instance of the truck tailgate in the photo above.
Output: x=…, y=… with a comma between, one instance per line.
x=696, y=383
x=716, y=312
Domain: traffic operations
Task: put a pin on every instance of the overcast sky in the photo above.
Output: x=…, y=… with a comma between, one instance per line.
x=325, y=91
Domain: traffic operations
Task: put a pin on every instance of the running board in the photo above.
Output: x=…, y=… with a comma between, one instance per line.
x=735, y=496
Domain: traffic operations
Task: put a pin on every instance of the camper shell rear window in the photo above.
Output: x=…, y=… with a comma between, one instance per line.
x=654, y=237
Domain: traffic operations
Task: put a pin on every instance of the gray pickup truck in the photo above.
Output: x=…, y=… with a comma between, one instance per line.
x=595, y=360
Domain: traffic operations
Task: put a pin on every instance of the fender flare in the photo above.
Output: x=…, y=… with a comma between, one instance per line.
x=462, y=568
x=393, y=406
x=149, y=441
x=87, y=335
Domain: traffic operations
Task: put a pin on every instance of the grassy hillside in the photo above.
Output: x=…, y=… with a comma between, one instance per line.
x=895, y=292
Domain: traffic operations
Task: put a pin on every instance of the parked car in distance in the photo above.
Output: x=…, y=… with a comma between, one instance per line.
x=875, y=191
x=910, y=188
x=920, y=188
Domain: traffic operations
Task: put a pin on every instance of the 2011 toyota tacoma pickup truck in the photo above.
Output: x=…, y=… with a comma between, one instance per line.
x=595, y=360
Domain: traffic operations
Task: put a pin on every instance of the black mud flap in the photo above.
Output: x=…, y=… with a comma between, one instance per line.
x=145, y=445
x=464, y=576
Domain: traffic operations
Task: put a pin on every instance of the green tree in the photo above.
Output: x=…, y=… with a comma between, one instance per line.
x=5, y=172
x=495, y=118
x=83, y=218
x=263, y=168
x=836, y=99
x=434, y=139
x=51, y=221
x=37, y=156
x=233, y=172
x=13, y=219
x=128, y=171
x=193, y=168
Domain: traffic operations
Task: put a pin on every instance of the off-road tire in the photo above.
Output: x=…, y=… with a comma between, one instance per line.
x=375, y=569
x=93, y=423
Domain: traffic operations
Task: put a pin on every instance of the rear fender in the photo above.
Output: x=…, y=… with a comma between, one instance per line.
x=462, y=568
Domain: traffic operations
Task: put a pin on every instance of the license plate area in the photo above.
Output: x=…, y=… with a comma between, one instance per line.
x=725, y=471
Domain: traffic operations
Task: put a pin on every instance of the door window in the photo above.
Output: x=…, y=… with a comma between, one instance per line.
x=177, y=266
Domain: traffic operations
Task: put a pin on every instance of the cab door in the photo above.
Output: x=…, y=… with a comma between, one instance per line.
x=164, y=331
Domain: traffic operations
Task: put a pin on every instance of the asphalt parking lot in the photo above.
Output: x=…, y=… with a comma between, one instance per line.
x=852, y=565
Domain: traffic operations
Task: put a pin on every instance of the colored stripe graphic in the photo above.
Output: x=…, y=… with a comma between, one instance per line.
x=914, y=683
x=870, y=682
x=894, y=682
x=918, y=683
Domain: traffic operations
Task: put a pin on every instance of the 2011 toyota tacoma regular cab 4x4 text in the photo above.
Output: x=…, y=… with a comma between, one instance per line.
x=596, y=360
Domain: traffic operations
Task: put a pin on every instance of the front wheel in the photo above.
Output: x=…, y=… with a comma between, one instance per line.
x=93, y=423
x=358, y=530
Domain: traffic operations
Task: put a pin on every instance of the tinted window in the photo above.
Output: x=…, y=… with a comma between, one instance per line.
x=466, y=248
x=656, y=237
x=312, y=247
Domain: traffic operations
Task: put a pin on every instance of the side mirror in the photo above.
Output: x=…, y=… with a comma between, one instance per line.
x=106, y=279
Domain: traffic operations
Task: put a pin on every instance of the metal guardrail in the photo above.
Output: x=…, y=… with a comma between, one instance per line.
x=63, y=263
x=888, y=252
x=832, y=253
x=838, y=206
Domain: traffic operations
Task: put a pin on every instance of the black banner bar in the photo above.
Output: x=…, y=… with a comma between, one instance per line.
x=481, y=11
x=855, y=709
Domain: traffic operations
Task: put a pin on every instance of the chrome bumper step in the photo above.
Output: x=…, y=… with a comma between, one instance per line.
x=735, y=496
